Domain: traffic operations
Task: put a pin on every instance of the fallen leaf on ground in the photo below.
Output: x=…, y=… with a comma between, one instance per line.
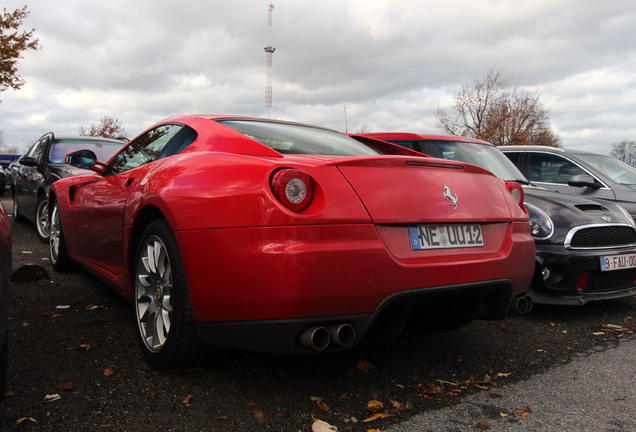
x=376, y=416
x=108, y=371
x=323, y=426
x=188, y=399
x=375, y=406
x=52, y=397
x=323, y=406
x=23, y=419
x=364, y=366
x=66, y=384
x=483, y=424
x=397, y=406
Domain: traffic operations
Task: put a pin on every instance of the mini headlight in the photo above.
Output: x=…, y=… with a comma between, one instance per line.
x=541, y=226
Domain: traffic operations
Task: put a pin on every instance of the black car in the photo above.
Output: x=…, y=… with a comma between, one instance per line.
x=5, y=277
x=585, y=248
x=3, y=181
x=42, y=165
x=577, y=172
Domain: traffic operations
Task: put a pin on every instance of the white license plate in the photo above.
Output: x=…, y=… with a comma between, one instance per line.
x=618, y=262
x=450, y=236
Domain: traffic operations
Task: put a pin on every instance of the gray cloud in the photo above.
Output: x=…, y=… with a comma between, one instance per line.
x=392, y=65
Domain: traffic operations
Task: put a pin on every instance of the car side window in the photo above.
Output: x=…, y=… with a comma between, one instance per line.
x=549, y=168
x=513, y=157
x=145, y=149
x=37, y=150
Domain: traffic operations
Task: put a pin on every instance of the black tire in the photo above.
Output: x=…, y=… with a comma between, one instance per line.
x=160, y=292
x=3, y=185
x=57, y=245
x=42, y=220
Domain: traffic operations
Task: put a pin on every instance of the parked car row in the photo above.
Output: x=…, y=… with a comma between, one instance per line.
x=235, y=232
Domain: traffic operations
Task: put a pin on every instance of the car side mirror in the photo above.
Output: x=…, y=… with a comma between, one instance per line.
x=85, y=159
x=583, y=180
x=28, y=161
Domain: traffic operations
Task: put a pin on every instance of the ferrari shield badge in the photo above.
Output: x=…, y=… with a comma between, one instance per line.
x=450, y=197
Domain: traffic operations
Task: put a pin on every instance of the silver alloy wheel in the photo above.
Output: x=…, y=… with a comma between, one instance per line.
x=54, y=234
x=42, y=219
x=153, y=293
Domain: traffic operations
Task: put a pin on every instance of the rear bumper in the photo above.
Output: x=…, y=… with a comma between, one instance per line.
x=575, y=277
x=252, y=287
x=424, y=309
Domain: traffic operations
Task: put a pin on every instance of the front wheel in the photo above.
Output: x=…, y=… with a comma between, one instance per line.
x=57, y=246
x=165, y=325
x=42, y=219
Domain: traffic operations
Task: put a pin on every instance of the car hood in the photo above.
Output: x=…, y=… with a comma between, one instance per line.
x=569, y=211
x=64, y=170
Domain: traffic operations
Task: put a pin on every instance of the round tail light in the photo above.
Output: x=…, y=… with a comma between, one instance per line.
x=293, y=188
x=516, y=191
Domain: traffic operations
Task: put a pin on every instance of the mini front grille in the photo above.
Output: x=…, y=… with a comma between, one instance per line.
x=598, y=281
x=602, y=236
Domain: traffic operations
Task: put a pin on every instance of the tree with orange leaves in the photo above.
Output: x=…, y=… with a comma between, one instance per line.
x=491, y=110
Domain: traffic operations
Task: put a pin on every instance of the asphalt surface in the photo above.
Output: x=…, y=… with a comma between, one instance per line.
x=75, y=365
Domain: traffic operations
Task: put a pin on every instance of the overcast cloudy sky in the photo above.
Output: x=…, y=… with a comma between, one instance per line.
x=392, y=64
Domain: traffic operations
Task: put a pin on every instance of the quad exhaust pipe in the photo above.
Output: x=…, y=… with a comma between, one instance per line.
x=522, y=305
x=320, y=337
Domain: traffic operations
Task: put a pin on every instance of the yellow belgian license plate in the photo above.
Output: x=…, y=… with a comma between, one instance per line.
x=618, y=262
x=448, y=236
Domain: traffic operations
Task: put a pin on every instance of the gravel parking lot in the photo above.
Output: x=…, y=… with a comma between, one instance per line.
x=75, y=365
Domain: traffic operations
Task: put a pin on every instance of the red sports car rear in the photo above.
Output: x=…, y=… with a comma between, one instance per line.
x=276, y=236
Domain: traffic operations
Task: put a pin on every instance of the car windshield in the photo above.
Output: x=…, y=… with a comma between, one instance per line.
x=485, y=156
x=616, y=170
x=299, y=139
x=103, y=149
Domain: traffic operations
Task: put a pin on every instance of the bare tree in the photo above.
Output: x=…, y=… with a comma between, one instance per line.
x=108, y=127
x=12, y=45
x=625, y=151
x=364, y=129
x=492, y=110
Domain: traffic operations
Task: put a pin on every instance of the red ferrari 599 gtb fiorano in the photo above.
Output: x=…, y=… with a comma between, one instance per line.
x=233, y=232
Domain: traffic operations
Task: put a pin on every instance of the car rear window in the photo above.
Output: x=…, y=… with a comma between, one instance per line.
x=287, y=138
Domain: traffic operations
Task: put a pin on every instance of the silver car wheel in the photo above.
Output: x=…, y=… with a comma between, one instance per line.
x=54, y=233
x=42, y=220
x=153, y=293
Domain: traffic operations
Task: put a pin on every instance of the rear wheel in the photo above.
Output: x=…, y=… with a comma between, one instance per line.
x=57, y=246
x=165, y=325
x=42, y=219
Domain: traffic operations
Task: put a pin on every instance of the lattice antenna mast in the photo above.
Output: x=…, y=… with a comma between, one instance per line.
x=269, y=50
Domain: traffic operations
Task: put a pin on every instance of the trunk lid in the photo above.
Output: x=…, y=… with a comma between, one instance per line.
x=402, y=189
